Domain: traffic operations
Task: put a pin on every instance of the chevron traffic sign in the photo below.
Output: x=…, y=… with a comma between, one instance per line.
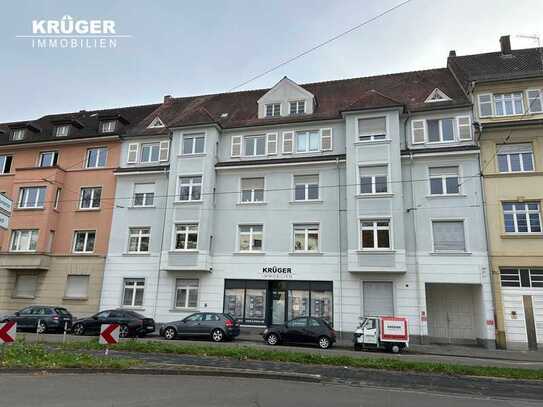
x=109, y=334
x=8, y=332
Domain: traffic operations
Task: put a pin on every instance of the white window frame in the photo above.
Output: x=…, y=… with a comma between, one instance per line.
x=132, y=153
x=528, y=99
x=306, y=194
x=16, y=234
x=251, y=234
x=193, y=136
x=62, y=130
x=18, y=134
x=252, y=201
x=491, y=102
x=373, y=181
x=139, y=233
x=86, y=233
x=186, y=232
x=300, y=102
x=465, y=229
x=372, y=136
x=237, y=142
x=414, y=128
x=443, y=178
x=459, y=126
x=306, y=232
x=4, y=163
x=375, y=230
x=54, y=158
x=527, y=211
x=496, y=96
x=308, y=134
x=57, y=198
x=24, y=198
x=273, y=110
x=521, y=161
x=134, y=285
x=288, y=136
x=93, y=192
x=271, y=143
x=108, y=126
x=188, y=289
x=441, y=140
x=256, y=138
x=191, y=184
x=152, y=146
x=145, y=197
x=101, y=151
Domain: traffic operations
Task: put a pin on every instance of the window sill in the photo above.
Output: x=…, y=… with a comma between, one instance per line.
x=375, y=251
x=433, y=143
x=301, y=253
x=379, y=195
x=83, y=254
x=372, y=142
x=7, y=174
x=521, y=235
x=29, y=209
x=252, y=203
x=253, y=253
x=192, y=251
x=129, y=308
x=309, y=201
x=141, y=207
x=184, y=310
x=192, y=155
x=193, y=202
x=75, y=298
x=451, y=253
x=23, y=297
x=88, y=209
x=446, y=196
x=136, y=254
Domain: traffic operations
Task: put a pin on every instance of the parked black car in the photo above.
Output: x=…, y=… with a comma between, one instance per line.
x=305, y=330
x=41, y=318
x=213, y=324
x=131, y=323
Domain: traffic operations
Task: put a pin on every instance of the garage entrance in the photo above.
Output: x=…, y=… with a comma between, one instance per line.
x=378, y=298
x=451, y=310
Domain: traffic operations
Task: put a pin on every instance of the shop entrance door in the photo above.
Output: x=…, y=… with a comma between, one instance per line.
x=278, y=301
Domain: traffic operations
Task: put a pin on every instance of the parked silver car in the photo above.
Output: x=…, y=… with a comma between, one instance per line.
x=217, y=326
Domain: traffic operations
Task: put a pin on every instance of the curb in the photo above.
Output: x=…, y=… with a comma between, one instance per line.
x=178, y=370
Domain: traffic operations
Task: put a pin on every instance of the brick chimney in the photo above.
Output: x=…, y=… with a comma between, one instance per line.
x=167, y=97
x=505, y=45
x=452, y=53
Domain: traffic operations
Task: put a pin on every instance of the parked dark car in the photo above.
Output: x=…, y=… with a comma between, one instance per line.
x=304, y=330
x=131, y=323
x=217, y=326
x=41, y=318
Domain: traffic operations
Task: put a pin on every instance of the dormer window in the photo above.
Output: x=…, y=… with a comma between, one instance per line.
x=62, y=131
x=273, y=109
x=108, y=126
x=18, y=134
x=297, y=107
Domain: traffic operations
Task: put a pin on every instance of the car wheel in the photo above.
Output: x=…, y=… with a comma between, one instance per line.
x=123, y=331
x=41, y=327
x=395, y=349
x=217, y=335
x=78, y=329
x=272, y=339
x=324, y=342
x=169, y=333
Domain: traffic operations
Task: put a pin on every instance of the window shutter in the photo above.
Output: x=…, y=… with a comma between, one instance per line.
x=164, y=150
x=514, y=148
x=418, y=131
x=287, y=142
x=236, y=146
x=25, y=285
x=449, y=235
x=464, y=127
x=132, y=153
x=326, y=139
x=272, y=143
x=77, y=286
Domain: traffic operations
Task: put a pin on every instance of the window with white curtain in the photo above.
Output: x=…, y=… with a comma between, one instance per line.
x=90, y=198
x=32, y=197
x=84, y=241
x=449, y=235
x=306, y=238
x=252, y=190
x=24, y=240
x=515, y=157
x=507, y=104
x=133, y=289
x=25, y=285
x=77, y=286
x=186, y=293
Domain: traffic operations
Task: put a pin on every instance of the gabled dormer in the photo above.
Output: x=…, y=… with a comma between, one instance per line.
x=111, y=123
x=65, y=127
x=286, y=98
x=437, y=95
x=21, y=131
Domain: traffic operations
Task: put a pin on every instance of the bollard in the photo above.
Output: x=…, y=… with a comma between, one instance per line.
x=37, y=331
x=65, y=331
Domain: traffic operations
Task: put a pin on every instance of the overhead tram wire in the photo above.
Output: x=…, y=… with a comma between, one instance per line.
x=320, y=45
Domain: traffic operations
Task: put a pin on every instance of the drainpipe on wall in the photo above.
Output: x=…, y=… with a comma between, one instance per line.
x=339, y=250
x=494, y=280
x=163, y=229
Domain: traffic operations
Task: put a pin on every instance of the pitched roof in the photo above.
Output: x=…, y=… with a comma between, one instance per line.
x=497, y=66
x=85, y=124
x=408, y=90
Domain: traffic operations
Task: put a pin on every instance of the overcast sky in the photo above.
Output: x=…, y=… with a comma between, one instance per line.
x=194, y=47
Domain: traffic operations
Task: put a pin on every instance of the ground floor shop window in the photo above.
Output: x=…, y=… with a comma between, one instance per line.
x=262, y=302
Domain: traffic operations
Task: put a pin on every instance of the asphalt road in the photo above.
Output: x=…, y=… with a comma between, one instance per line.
x=150, y=391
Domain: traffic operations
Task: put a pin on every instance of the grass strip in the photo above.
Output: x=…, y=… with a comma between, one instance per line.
x=254, y=353
x=25, y=355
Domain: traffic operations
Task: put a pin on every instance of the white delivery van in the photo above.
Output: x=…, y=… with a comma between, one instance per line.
x=386, y=333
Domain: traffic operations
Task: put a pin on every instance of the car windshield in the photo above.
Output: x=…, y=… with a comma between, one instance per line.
x=62, y=311
x=362, y=322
